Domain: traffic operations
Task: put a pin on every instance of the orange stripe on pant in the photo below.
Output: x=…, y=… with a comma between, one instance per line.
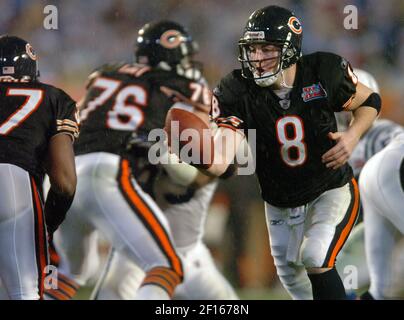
x=347, y=229
x=149, y=217
x=40, y=234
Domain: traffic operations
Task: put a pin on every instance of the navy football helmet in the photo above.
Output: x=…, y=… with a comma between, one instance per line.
x=17, y=59
x=271, y=25
x=168, y=45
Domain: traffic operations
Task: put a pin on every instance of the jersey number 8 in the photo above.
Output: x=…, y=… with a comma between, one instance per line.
x=288, y=143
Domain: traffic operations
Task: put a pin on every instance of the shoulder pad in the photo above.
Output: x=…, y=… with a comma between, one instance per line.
x=231, y=87
x=105, y=68
x=110, y=67
x=327, y=60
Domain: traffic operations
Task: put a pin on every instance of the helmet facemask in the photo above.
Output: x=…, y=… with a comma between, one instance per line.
x=188, y=67
x=251, y=68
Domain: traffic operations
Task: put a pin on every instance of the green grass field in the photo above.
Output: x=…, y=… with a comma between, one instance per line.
x=277, y=293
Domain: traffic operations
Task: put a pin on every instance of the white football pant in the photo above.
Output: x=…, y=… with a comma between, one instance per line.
x=310, y=236
x=109, y=200
x=383, y=202
x=23, y=238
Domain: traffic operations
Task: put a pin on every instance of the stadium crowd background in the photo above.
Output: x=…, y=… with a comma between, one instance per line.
x=92, y=32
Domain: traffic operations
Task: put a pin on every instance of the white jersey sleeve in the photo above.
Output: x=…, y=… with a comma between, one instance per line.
x=378, y=137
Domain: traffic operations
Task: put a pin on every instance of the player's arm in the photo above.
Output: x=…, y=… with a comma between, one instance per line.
x=185, y=174
x=60, y=165
x=62, y=176
x=226, y=143
x=365, y=106
x=227, y=137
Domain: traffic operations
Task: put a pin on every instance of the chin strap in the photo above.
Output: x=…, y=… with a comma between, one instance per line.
x=283, y=83
x=266, y=82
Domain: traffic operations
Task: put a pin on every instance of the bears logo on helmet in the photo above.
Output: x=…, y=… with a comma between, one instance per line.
x=295, y=25
x=168, y=45
x=171, y=39
x=30, y=51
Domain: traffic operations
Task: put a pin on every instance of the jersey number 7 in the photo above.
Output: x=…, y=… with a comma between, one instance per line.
x=34, y=99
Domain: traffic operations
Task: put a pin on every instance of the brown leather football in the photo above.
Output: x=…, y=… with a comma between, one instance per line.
x=192, y=135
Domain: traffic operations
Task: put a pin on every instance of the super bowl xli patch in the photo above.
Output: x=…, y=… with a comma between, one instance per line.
x=315, y=91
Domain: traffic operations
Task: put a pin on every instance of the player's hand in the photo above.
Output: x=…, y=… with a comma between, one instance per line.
x=338, y=155
x=179, y=97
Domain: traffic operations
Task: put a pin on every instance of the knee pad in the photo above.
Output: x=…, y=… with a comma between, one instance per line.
x=313, y=253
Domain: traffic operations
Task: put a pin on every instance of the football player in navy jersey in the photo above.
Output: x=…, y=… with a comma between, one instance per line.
x=310, y=194
x=38, y=125
x=123, y=103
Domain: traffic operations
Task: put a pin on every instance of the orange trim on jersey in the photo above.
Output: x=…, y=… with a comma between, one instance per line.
x=347, y=229
x=40, y=232
x=240, y=131
x=227, y=126
x=153, y=224
x=348, y=103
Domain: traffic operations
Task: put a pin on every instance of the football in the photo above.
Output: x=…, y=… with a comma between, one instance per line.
x=189, y=137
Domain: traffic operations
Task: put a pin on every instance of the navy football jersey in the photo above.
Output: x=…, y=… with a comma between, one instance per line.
x=123, y=99
x=30, y=114
x=291, y=133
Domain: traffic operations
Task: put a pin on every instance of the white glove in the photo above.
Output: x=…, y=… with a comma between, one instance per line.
x=179, y=172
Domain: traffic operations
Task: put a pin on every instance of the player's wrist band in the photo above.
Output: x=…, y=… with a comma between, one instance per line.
x=373, y=101
x=56, y=207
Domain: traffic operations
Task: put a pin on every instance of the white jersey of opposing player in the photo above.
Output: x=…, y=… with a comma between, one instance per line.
x=185, y=209
x=374, y=140
x=381, y=186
